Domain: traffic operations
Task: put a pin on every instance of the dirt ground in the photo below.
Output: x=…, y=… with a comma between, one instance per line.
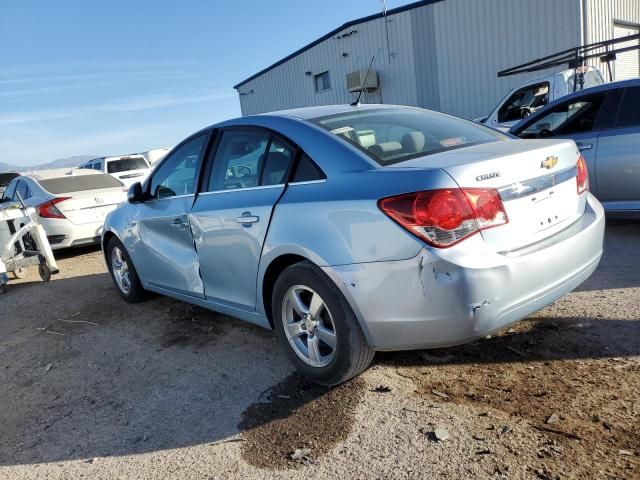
x=91, y=387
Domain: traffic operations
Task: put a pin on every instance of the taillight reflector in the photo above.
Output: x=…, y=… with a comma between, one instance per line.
x=445, y=217
x=49, y=209
x=582, y=177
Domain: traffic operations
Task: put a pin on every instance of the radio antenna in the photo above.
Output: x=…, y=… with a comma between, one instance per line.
x=356, y=103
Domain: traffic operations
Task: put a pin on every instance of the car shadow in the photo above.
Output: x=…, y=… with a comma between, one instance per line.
x=86, y=375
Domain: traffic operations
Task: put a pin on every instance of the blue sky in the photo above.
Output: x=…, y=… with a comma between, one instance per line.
x=108, y=77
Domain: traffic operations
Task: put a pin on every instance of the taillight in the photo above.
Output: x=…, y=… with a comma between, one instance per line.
x=444, y=217
x=582, y=177
x=49, y=209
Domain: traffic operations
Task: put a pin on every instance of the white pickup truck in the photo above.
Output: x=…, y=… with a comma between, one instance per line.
x=525, y=99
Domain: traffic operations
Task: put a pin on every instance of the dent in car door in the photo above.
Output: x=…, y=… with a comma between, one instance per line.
x=164, y=253
x=230, y=221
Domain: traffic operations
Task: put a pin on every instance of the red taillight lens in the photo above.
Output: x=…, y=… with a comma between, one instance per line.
x=582, y=177
x=444, y=217
x=49, y=209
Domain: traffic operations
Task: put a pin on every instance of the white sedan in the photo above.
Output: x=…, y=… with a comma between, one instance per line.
x=71, y=204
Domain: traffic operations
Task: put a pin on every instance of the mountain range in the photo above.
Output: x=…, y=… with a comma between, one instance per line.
x=73, y=161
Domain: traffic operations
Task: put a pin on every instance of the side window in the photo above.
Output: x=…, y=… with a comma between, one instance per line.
x=23, y=190
x=238, y=160
x=524, y=102
x=629, y=114
x=307, y=170
x=578, y=116
x=177, y=175
x=322, y=82
x=98, y=165
x=276, y=163
x=8, y=193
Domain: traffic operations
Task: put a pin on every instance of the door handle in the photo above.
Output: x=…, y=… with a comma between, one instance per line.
x=179, y=224
x=584, y=146
x=245, y=219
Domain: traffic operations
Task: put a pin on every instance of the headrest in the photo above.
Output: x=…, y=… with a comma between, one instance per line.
x=385, y=149
x=413, y=142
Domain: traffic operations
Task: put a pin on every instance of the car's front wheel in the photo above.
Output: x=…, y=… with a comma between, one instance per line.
x=123, y=273
x=317, y=327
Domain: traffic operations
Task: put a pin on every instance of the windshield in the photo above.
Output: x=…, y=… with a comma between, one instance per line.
x=126, y=164
x=79, y=183
x=394, y=135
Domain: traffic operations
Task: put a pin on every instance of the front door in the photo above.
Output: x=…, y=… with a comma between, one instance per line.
x=165, y=254
x=230, y=217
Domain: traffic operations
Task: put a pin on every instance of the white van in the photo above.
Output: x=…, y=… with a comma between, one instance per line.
x=128, y=168
x=525, y=99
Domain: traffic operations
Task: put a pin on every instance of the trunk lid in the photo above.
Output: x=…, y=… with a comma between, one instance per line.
x=90, y=207
x=536, y=180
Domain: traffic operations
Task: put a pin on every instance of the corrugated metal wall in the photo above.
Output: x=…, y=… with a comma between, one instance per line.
x=600, y=16
x=443, y=56
x=287, y=86
x=476, y=39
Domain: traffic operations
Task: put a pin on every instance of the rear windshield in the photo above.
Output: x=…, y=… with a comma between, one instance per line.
x=5, y=178
x=393, y=135
x=79, y=183
x=126, y=164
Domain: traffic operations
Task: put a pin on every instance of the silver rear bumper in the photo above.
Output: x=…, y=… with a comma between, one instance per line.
x=441, y=298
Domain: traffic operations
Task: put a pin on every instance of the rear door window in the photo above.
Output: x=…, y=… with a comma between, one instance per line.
x=8, y=193
x=576, y=116
x=629, y=113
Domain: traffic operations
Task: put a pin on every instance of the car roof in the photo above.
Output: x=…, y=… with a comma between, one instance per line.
x=306, y=113
x=61, y=172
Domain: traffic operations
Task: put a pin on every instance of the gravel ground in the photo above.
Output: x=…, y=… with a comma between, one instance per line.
x=94, y=388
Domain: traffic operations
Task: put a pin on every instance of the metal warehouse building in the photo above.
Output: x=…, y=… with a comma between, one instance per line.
x=440, y=54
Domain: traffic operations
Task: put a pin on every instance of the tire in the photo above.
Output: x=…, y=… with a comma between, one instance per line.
x=116, y=252
x=308, y=339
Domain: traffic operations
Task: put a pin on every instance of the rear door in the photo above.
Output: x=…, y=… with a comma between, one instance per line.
x=618, y=158
x=164, y=253
x=245, y=177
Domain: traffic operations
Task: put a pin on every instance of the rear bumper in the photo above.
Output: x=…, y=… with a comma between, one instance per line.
x=64, y=234
x=448, y=297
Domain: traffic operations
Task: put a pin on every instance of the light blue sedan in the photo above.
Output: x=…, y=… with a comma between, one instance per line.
x=351, y=229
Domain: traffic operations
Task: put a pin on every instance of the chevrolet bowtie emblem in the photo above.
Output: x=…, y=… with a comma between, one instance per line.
x=549, y=162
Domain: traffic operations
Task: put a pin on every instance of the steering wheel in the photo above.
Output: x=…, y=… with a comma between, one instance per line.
x=545, y=133
x=242, y=171
x=525, y=111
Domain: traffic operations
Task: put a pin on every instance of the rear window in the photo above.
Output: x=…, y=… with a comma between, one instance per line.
x=5, y=178
x=79, y=183
x=126, y=164
x=393, y=135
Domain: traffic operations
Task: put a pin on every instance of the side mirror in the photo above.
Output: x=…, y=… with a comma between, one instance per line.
x=135, y=194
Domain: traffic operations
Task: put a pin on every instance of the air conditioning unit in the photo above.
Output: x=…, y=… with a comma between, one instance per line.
x=355, y=81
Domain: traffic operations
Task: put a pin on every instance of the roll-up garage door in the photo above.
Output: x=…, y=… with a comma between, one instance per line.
x=627, y=64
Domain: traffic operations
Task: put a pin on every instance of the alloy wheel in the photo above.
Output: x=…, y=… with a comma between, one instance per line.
x=309, y=326
x=120, y=269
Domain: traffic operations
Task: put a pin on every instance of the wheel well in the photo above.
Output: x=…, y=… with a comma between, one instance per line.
x=105, y=241
x=275, y=268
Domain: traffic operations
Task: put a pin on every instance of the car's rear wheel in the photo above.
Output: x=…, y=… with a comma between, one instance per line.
x=123, y=273
x=317, y=327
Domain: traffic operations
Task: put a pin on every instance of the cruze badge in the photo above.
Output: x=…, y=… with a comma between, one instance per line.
x=487, y=176
x=549, y=162
x=99, y=200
